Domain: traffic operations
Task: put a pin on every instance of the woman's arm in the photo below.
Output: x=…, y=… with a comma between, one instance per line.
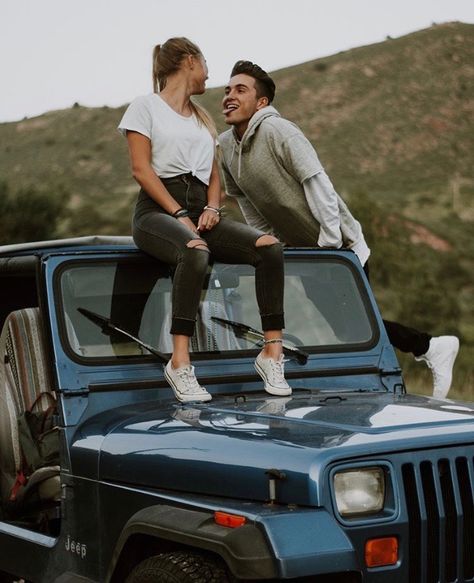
x=139, y=147
x=210, y=218
x=214, y=190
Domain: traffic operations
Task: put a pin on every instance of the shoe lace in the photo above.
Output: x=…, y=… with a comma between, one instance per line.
x=278, y=369
x=187, y=376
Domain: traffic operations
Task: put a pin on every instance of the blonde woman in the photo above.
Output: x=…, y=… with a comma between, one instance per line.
x=177, y=217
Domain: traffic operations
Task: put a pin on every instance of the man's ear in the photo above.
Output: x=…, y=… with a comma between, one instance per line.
x=191, y=61
x=262, y=102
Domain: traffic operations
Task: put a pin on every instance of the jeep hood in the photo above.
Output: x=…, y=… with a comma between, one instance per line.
x=225, y=447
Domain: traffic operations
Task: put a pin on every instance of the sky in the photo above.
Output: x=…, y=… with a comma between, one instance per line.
x=54, y=53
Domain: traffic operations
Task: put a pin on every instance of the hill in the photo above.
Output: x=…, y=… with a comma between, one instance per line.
x=394, y=119
x=393, y=124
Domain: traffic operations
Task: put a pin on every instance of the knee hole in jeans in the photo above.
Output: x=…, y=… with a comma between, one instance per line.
x=199, y=244
x=266, y=241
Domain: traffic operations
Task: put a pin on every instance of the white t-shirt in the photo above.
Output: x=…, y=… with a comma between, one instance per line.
x=179, y=144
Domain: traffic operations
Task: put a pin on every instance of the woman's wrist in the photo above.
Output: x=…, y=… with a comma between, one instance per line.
x=180, y=213
x=214, y=209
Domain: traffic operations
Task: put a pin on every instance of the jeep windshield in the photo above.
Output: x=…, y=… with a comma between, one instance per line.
x=326, y=307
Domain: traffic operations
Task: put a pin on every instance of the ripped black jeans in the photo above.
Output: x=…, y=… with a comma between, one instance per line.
x=165, y=238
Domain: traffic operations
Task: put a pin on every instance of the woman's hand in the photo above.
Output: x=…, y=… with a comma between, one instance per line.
x=187, y=222
x=208, y=219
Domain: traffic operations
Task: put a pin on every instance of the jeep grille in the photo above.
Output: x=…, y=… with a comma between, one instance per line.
x=439, y=494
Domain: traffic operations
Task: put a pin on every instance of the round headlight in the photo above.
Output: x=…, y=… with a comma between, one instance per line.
x=359, y=491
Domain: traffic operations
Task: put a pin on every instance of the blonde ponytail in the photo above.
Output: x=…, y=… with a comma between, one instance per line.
x=156, y=68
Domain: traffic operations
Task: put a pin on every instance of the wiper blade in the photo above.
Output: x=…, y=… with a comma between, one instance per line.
x=108, y=327
x=244, y=330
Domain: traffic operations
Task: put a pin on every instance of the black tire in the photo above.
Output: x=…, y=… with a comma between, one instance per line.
x=179, y=567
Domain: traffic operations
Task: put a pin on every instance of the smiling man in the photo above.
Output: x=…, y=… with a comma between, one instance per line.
x=274, y=172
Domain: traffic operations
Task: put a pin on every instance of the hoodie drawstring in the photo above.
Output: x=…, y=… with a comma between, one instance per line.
x=239, y=164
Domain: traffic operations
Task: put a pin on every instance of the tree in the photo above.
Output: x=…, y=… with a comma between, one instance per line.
x=29, y=214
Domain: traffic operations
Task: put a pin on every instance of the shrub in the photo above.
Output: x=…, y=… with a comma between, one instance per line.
x=29, y=214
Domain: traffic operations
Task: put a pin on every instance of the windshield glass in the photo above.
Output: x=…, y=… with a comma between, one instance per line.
x=325, y=307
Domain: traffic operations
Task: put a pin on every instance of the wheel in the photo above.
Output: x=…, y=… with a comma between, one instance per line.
x=179, y=567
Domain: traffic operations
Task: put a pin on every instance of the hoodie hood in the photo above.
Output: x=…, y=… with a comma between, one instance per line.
x=240, y=145
x=256, y=120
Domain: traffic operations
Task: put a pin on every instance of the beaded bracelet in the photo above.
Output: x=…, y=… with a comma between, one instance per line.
x=180, y=213
x=211, y=208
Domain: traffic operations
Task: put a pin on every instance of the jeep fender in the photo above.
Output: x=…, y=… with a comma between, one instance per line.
x=268, y=546
x=244, y=549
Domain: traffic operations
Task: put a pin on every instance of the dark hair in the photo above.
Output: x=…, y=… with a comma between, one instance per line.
x=264, y=84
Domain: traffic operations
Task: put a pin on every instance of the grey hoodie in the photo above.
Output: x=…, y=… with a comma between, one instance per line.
x=267, y=168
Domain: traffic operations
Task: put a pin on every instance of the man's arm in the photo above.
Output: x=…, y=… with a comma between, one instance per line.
x=300, y=159
x=323, y=204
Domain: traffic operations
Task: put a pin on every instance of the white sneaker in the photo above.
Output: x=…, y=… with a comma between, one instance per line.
x=440, y=358
x=274, y=406
x=184, y=384
x=187, y=415
x=273, y=375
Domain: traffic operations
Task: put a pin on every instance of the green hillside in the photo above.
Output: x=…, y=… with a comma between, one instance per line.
x=393, y=124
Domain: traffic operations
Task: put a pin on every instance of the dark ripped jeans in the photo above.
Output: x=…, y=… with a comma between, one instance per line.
x=165, y=238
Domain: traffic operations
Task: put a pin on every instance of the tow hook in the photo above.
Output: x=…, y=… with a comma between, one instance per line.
x=274, y=475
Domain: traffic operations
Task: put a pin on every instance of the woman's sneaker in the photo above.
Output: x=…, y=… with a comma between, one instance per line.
x=273, y=375
x=274, y=406
x=184, y=384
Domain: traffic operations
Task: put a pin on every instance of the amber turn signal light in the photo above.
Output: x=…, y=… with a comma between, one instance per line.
x=380, y=552
x=230, y=520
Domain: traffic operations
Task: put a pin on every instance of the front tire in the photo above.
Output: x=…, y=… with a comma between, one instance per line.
x=179, y=567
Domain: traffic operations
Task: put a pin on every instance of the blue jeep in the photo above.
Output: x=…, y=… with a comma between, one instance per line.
x=350, y=479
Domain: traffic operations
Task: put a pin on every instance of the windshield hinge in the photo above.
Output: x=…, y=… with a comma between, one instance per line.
x=82, y=392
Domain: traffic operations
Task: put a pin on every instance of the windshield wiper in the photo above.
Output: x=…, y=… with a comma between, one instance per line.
x=107, y=328
x=243, y=331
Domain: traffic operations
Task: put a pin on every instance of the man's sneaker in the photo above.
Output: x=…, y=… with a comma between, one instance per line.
x=440, y=358
x=273, y=375
x=184, y=384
